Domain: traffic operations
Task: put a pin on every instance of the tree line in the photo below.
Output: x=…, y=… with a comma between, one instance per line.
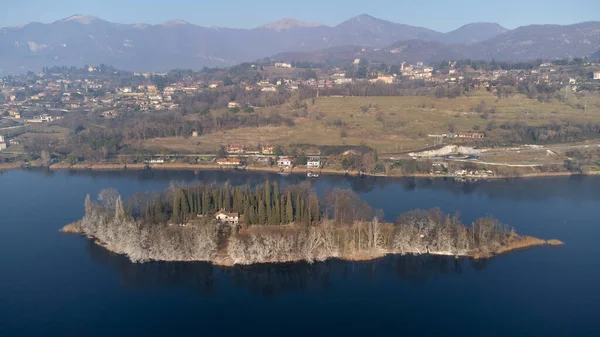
x=265, y=204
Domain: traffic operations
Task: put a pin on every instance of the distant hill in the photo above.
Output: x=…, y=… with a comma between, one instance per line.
x=541, y=42
x=80, y=40
x=527, y=43
x=367, y=30
x=473, y=33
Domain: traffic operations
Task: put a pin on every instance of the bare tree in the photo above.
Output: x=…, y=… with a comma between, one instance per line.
x=108, y=197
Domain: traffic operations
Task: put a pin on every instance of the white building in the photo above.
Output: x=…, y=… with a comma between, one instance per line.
x=597, y=75
x=313, y=163
x=282, y=65
x=225, y=217
x=2, y=146
x=42, y=119
x=232, y=105
x=284, y=162
x=155, y=161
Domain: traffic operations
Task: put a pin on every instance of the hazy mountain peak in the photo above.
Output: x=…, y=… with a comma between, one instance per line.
x=287, y=24
x=78, y=18
x=488, y=25
x=365, y=17
x=361, y=19
x=175, y=23
x=474, y=32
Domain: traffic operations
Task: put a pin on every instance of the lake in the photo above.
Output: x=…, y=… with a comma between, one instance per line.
x=53, y=284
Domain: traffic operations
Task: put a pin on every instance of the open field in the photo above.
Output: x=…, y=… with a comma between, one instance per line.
x=390, y=124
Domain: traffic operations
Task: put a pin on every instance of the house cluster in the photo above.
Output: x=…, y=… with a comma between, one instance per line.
x=231, y=162
x=473, y=173
x=416, y=72
x=241, y=149
x=470, y=135
x=264, y=152
x=283, y=65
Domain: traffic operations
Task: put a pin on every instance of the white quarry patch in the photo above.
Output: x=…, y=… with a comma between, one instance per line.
x=448, y=150
x=34, y=47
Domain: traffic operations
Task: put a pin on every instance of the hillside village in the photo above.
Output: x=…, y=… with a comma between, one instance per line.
x=82, y=96
x=45, y=96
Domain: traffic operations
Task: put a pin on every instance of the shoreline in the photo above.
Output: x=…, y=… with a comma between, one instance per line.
x=222, y=259
x=296, y=170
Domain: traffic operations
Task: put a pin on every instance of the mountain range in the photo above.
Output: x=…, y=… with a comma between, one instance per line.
x=80, y=40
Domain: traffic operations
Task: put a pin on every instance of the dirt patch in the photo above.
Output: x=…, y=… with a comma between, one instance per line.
x=72, y=228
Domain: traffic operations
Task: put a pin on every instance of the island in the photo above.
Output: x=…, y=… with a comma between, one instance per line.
x=229, y=225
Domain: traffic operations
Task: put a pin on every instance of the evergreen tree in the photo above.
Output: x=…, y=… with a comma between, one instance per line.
x=297, y=210
x=277, y=212
x=246, y=215
x=289, y=211
x=262, y=213
x=185, y=205
x=205, y=202
x=176, y=216
x=268, y=203
x=253, y=216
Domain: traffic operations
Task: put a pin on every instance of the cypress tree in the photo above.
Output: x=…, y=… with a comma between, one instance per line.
x=159, y=208
x=277, y=202
x=247, y=219
x=262, y=213
x=268, y=203
x=297, y=210
x=205, y=202
x=282, y=207
x=289, y=209
x=176, y=216
x=253, y=217
x=277, y=212
x=185, y=204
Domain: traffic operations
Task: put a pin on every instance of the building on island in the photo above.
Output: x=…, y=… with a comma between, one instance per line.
x=226, y=217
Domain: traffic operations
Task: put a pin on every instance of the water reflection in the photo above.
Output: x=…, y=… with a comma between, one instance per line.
x=574, y=187
x=271, y=280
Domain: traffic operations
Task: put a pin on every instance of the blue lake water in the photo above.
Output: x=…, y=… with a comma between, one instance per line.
x=52, y=284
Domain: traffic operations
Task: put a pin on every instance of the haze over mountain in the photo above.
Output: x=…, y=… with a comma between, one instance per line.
x=80, y=40
x=287, y=24
x=473, y=33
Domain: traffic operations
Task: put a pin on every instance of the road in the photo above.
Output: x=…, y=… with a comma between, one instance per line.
x=540, y=149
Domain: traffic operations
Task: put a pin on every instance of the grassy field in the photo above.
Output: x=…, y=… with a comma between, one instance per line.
x=389, y=124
